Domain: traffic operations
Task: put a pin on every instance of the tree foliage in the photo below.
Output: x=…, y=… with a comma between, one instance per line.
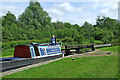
x=35, y=23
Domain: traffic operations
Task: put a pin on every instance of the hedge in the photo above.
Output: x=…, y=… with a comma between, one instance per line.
x=12, y=44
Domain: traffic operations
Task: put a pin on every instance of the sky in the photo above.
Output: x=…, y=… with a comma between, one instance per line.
x=74, y=12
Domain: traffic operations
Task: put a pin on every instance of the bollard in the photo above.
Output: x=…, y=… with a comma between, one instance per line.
x=63, y=55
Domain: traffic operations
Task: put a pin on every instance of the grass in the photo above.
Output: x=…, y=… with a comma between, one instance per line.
x=113, y=49
x=95, y=42
x=85, y=67
x=7, y=53
x=104, y=50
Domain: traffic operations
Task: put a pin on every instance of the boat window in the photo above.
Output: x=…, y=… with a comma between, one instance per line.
x=36, y=50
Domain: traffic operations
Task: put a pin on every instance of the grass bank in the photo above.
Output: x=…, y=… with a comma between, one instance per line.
x=85, y=67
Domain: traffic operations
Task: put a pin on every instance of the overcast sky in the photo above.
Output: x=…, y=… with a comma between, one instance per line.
x=73, y=12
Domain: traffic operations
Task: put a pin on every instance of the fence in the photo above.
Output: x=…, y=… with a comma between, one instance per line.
x=77, y=48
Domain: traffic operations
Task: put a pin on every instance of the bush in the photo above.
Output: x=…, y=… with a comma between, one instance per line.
x=46, y=40
x=68, y=40
x=98, y=42
x=86, y=42
x=12, y=44
x=95, y=42
x=6, y=46
x=114, y=41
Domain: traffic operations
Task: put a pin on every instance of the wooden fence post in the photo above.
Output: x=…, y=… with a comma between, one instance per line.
x=67, y=51
x=65, y=46
x=93, y=47
x=77, y=50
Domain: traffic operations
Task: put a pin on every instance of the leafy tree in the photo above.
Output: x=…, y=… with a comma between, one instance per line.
x=9, y=27
x=104, y=35
x=108, y=23
x=68, y=40
x=8, y=19
x=79, y=39
x=59, y=25
x=35, y=24
x=34, y=16
x=88, y=29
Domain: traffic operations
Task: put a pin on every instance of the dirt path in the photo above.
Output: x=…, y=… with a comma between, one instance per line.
x=97, y=52
x=77, y=55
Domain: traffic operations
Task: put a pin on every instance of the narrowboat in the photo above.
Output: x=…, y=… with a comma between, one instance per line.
x=37, y=50
x=30, y=54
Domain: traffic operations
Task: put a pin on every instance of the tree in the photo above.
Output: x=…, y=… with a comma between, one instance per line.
x=35, y=23
x=68, y=40
x=34, y=16
x=59, y=25
x=88, y=29
x=103, y=34
x=108, y=23
x=8, y=19
x=9, y=27
x=79, y=39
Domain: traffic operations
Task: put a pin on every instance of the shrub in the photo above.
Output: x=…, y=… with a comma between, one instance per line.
x=98, y=42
